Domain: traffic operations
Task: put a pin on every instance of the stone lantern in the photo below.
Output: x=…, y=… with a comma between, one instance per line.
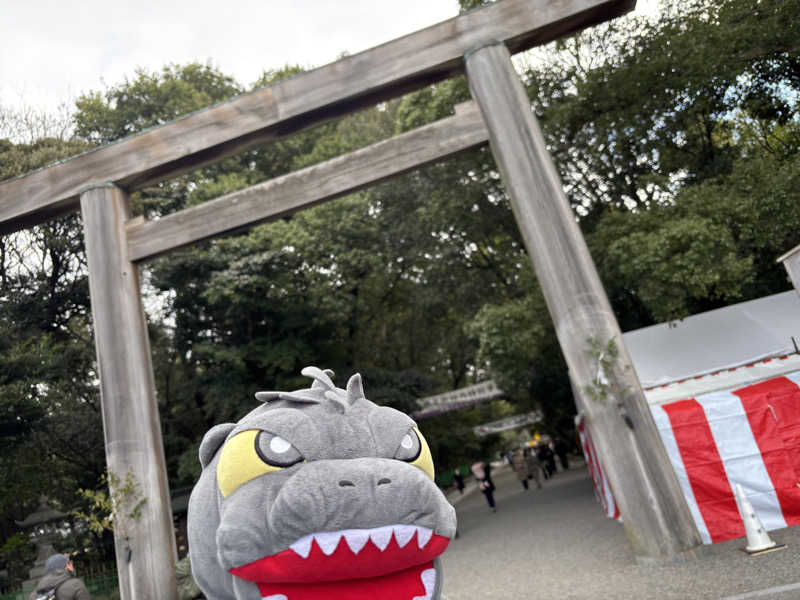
x=43, y=526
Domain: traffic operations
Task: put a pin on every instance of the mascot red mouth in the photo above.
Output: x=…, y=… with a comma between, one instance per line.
x=390, y=563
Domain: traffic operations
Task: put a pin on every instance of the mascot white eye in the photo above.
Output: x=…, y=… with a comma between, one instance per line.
x=276, y=451
x=409, y=448
x=414, y=449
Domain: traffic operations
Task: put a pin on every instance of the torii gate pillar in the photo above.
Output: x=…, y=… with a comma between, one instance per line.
x=655, y=515
x=130, y=413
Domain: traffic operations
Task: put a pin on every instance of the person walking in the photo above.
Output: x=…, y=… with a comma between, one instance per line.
x=458, y=478
x=547, y=458
x=520, y=467
x=560, y=448
x=59, y=581
x=483, y=474
x=533, y=466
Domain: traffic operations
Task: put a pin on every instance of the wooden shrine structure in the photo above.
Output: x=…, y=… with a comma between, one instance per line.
x=479, y=43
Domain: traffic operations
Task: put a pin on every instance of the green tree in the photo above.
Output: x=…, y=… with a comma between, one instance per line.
x=635, y=108
x=676, y=140
x=50, y=434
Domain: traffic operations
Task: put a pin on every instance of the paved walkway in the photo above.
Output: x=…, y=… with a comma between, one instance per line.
x=556, y=544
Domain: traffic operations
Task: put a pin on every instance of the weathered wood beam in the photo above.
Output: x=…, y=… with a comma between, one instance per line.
x=127, y=393
x=363, y=79
x=655, y=515
x=312, y=185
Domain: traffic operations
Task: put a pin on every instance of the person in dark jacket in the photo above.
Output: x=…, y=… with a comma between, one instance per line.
x=60, y=575
x=483, y=474
x=458, y=478
x=547, y=459
x=560, y=448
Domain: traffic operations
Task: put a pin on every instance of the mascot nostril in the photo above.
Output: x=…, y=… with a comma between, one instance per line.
x=352, y=511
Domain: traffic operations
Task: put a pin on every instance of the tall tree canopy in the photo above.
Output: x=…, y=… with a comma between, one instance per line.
x=678, y=142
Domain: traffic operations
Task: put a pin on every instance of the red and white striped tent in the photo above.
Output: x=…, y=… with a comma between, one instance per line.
x=724, y=391
x=602, y=487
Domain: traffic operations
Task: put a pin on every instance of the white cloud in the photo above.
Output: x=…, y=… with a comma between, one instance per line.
x=51, y=50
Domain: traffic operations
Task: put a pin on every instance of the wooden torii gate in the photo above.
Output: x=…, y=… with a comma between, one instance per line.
x=480, y=43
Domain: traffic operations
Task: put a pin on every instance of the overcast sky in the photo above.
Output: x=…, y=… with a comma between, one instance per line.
x=53, y=50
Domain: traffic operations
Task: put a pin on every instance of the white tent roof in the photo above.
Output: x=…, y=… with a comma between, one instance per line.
x=728, y=379
x=718, y=342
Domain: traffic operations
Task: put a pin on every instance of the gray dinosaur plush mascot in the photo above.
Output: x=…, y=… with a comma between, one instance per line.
x=318, y=494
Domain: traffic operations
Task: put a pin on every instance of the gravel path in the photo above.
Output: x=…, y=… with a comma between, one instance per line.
x=556, y=544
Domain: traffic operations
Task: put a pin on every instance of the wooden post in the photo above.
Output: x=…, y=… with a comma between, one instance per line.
x=127, y=391
x=655, y=515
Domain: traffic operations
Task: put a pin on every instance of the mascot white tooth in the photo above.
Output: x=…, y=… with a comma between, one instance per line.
x=318, y=494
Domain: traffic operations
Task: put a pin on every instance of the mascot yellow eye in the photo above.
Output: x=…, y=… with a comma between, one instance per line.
x=250, y=454
x=414, y=449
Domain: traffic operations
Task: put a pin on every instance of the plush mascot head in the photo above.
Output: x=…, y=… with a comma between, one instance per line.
x=318, y=494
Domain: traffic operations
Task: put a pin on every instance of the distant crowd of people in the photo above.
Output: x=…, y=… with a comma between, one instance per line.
x=529, y=463
x=538, y=461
